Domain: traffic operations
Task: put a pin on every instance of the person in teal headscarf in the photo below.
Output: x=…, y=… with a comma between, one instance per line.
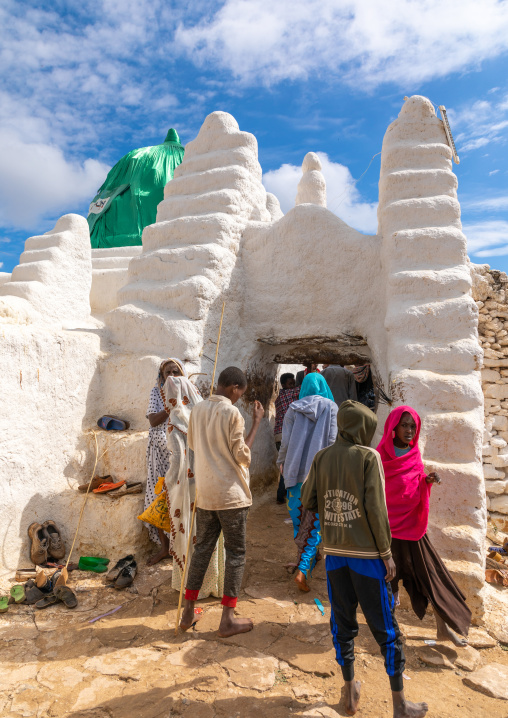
x=127, y=201
x=310, y=424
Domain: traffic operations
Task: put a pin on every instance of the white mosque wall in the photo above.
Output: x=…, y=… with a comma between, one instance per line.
x=295, y=286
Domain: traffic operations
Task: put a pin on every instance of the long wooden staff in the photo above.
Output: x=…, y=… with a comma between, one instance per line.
x=177, y=624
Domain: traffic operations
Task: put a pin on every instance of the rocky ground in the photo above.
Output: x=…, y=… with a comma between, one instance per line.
x=130, y=664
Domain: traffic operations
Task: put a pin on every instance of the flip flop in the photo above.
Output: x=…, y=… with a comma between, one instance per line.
x=32, y=593
x=112, y=423
x=66, y=595
x=90, y=563
x=18, y=594
x=4, y=604
x=126, y=489
x=118, y=567
x=95, y=483
x=104, y=488
x=46, y=601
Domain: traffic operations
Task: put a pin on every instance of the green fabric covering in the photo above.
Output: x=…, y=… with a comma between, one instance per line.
x=127, y=201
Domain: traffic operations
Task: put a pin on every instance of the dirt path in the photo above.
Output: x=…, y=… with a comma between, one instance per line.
x=130, y=665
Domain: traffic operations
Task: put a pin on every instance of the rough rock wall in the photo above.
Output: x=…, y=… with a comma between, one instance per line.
x=491, y=294
x=433, y=352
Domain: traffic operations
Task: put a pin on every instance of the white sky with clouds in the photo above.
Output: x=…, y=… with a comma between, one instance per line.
x=81, y=84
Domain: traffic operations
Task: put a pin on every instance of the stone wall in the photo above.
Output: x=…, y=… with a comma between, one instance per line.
x=490, y=291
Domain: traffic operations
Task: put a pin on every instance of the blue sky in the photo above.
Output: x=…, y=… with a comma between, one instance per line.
x=82, y=84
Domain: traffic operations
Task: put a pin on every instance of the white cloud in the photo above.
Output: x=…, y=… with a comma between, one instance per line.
x=37, y=180
x=343, y=197
x=1, y=265
x=493, y=172
x=483, y=237
x=480, y=123
x=365, y=42
x=493, y=204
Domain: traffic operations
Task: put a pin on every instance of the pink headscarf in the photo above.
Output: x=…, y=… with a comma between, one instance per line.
x=407, y=492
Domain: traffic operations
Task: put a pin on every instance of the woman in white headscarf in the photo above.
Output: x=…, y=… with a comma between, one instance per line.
x=180, y=396
x=157, y=452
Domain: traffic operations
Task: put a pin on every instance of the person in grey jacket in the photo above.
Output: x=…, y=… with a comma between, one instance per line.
x=310, y=424
x=341, y=382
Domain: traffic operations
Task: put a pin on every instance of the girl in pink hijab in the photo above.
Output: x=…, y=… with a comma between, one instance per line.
x=408, y=486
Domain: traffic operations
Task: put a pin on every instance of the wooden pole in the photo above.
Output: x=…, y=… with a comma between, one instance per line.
x=184, y=574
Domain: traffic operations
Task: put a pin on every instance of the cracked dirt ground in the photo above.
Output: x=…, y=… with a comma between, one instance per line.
x=130, y=665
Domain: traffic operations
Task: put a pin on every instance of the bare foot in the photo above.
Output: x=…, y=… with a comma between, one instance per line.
x=189, y=618
x=396, y=599
x=445, y=633
x=159, y=556
x=301, y=581
x=230, y=625
x=405, y=709
x=352, y=696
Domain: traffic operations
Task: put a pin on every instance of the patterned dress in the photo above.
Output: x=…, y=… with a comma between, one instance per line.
x=157, y=456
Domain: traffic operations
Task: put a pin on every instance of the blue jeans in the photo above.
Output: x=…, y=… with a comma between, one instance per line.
x=306, y=529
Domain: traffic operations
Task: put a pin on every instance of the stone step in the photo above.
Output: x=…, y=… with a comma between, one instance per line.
x=409, y=183
x=216, y=178
x=187, y=296
x=129, y=251
x=409, y=154
x=222, y=229
x=217, y=159
x=437, y=323
x=415, y=213
x=228, y=201
x=421, y=284
x=430, y=248
x=111, y=262
x=464, y=355
x=172, y=263
x=142, y=328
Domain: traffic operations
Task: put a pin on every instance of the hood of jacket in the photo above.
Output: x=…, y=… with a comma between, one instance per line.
x=356, y=423
x=311, y=406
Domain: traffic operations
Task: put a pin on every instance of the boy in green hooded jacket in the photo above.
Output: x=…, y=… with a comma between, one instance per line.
x=345, y=486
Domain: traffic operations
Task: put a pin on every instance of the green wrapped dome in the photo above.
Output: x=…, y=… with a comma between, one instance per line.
x=127, y=201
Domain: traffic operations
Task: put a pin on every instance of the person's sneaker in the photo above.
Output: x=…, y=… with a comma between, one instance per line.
x=126, y=576
x=56, y=546
x=119, y=566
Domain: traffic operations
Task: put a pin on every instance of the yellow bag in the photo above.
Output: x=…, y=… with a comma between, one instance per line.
x=157, y=513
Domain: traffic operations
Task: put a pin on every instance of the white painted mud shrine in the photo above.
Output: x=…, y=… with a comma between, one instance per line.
x=84, y=331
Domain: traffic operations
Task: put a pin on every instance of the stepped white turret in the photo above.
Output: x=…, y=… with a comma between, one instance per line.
x=52, y=281
x=431, y=322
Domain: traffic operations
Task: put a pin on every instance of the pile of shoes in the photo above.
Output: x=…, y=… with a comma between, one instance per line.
x=46, y=542
x=123, y=572
x=43, y=591
x=114, y=489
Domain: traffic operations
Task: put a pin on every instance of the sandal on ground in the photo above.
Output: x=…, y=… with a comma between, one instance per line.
x=126, y=576
x=95, y=483
x=4, y=604
x=104, y=488
x=39, y=543
x=46, y=601
x=32, y=593
x=18, y=593
x=56, y=546
x=118, y=567
x=66, y=595
x=91, y=563
x=126, y=489
x=112, y=423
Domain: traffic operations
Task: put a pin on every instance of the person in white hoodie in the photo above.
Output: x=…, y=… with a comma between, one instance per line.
x=310, y=424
